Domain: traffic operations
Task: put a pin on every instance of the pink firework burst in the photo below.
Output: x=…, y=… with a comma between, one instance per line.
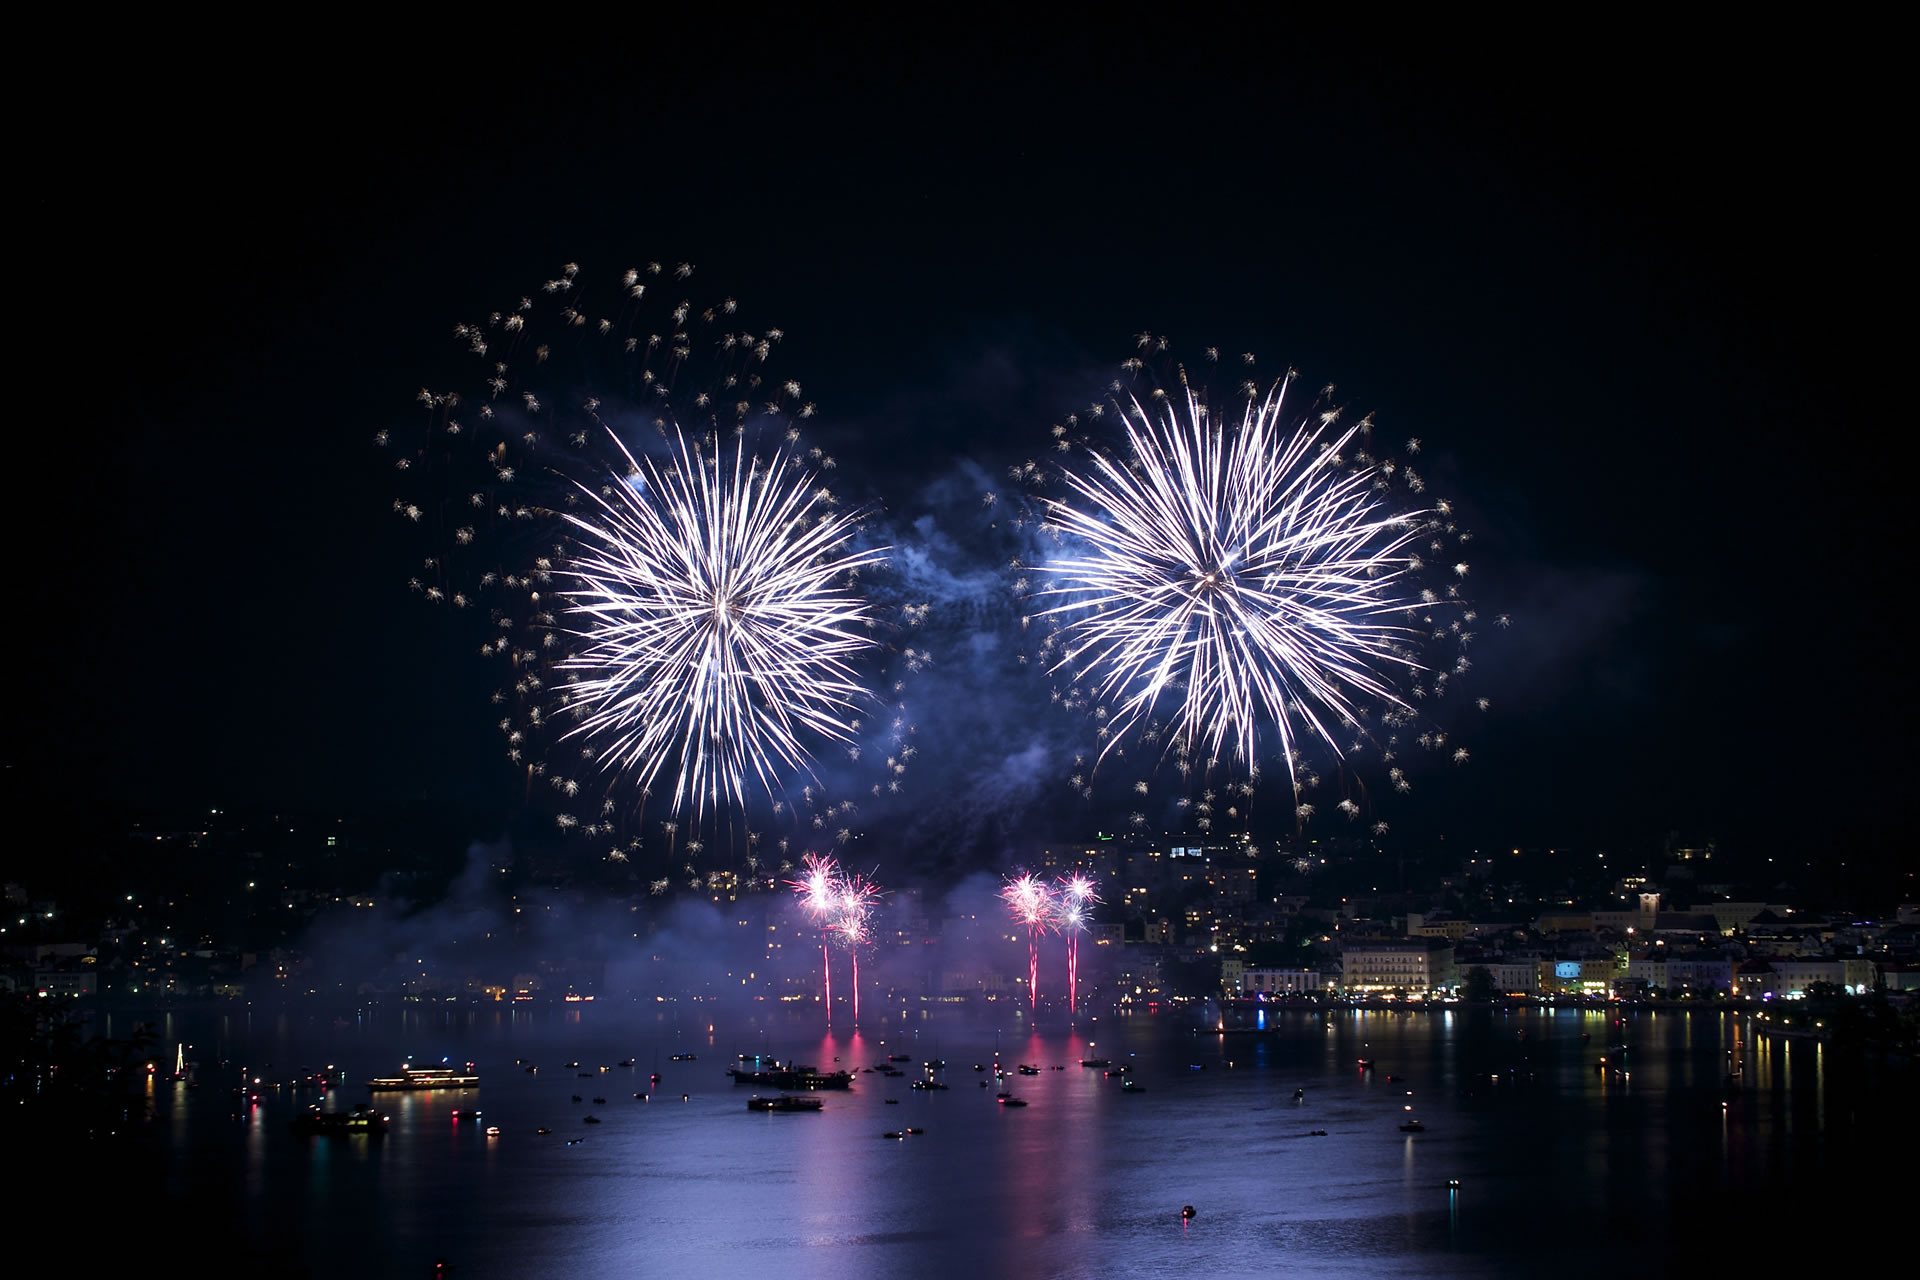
x=1035, y=904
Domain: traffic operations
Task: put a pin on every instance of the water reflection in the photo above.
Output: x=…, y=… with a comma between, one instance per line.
x=1084, y=1181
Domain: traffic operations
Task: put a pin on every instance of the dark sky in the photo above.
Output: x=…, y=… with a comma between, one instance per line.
x=1638, y=291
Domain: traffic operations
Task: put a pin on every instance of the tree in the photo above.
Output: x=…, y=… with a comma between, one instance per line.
x=1478, y=984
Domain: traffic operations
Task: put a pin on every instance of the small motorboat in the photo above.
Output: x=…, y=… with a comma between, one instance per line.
x=589, y=1119
x=578, y=1098
x=572, y=1065
x=894, y=1136
x=935, y=1064
x=1003, y=1095
x=914, y=1131
x=1317, y=1133
x=892, y=1102
x=1188, y=1213
x=600, y=1102
x=682, y=1057
x=1413, y=1126
x=1029, y=1071
x=1366, y=1064
x=543, y=1132
x=586, y=1075
x=1299, y=1095
x=466, y=1115
x=493, y=1131
x=1013, y=1102
x=1131, y=1086
x=1095, y=1062
x=626, y=1062
x=898, y=1057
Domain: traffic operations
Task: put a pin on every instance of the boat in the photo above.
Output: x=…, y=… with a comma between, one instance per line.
x=626, y=1062
x=892, y=1135
x=543, y=1132
x=898, y=1057
x=914, y=1131
x=1013, y=1102
x=1130, y=1086
x=1095, y=1062
x=363, y=1119
x=412, y=1077
x=935, y=1064
x=1025, y=1070
x=578, y=1098
x=600, y=1102
x=1316, y=1133
x=793, y=1076
x=466, y=1115
x=785, y=1102
x=892, y=1102
x=572, y=1064
x=493, y=1131
x=589, y=1119
x=682, y=1057
x=927, y=1084
x=1366, y=1064
x=1413, y=1126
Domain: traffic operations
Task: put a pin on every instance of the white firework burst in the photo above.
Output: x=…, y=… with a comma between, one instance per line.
x=1243, y=582
x=715, y=622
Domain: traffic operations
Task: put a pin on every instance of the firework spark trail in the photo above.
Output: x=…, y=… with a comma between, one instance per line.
x=1249, y=572
x=1033, y=903
x=1072, y=894
x=714, y=622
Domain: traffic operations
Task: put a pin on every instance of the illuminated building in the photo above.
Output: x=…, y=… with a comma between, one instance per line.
x=1387, y=964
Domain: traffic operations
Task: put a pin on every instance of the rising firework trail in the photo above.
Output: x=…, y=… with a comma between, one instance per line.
x=1229, y=586
x=710, y=599
x=1072, y=895
x=1034, y=904
x=819, y=892
x=852, y=914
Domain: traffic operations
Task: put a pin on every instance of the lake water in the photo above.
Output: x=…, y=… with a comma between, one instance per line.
x=1561, y=1169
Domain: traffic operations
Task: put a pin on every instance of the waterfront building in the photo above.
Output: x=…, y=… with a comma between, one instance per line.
x=1390, y=964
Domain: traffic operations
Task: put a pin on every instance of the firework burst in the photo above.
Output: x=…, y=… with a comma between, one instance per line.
x=1225, y=590
x=1072, y=895
x=1034, y=904
x=714, y=624
x=615, y=490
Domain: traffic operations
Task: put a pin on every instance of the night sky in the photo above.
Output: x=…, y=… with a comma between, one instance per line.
x=1638, y=292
